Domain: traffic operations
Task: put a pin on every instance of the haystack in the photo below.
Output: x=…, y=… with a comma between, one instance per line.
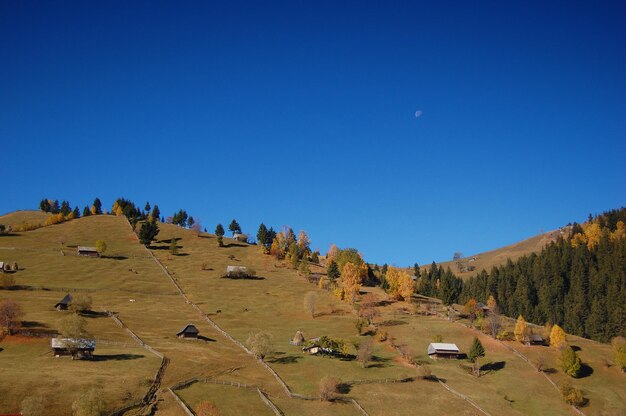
x=298, y=339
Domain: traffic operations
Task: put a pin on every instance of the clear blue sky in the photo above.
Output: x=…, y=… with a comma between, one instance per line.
x=303, y=113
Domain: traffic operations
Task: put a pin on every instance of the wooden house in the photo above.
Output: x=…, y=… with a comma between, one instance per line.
x=76, y=347
x=64, y=303
x=443, y=350
x=534, y=339
x=482, y=307
x=188, y=332
x=87, y=251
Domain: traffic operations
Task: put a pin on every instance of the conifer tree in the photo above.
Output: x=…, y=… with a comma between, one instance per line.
x=96, y=208
x=156, y=212
x=147, y=208
x=333, y=271
x=86, y=212
x=476, y=352
x=234, y=227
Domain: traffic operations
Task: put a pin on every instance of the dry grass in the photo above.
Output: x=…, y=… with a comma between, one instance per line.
x=131, y=284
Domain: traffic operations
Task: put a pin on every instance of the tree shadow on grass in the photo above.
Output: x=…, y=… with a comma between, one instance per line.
x=491, y=367
x=343, y=388
x=94, y=314
x=117, y=357
x=585, y=370
x=288, y=359
x=33, y=324
x=576, y=348
x=115, y=257
x=392, y=322
x=235, y=245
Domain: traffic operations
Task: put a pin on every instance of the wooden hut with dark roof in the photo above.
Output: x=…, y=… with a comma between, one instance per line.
x=64, y=303
x=188, y=332
x=87, y=251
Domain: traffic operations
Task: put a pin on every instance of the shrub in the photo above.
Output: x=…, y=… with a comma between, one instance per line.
x=572, y=395
x=329, y=387
x=101, y=247
x=437, y=338
x=381, y=336
x=619, y=351
x=570, y=362
x=81, y=303
x=505, y=335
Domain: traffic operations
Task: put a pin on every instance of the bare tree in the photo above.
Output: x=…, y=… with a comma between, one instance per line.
x=10, y=315
x=364, y=353
x=329, y=387
x=494, y=321
x=81, y=303
x=309, y=303
x=260, y=344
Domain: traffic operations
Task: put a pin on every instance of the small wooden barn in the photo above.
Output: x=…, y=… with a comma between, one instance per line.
x=482, y=307
x=87, y=251
x=534, y=339
x=76, y=347
x=188, y=332
x=443, y=350
x=64, y=303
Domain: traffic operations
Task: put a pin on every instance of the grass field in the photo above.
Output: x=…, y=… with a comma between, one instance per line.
x=131, y=284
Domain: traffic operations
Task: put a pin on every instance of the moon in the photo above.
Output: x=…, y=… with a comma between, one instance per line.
x=418, y=113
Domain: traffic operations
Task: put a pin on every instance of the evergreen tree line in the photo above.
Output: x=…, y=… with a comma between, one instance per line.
x=577, y=282
x=438, y=283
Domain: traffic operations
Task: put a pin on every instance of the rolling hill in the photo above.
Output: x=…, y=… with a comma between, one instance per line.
x=471, y=265
x=143, y=296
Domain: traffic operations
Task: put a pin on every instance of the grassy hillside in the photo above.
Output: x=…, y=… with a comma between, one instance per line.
x=131, y=283
x=471, y=265
x=17, y=218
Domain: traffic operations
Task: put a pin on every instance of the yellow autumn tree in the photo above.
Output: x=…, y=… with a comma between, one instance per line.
x=332, y=253
x=521, y=329
x=400, y=283
x=321, y=283
x=491, y=302
x=351, y=281
x=117, y=209
x=593, y=232
x=557, y=337
x=303, y=241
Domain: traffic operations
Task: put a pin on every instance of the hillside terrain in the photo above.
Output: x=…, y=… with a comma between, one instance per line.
x=471, y=265
x=153, y=293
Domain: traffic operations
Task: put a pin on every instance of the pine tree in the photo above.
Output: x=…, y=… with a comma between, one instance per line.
x=148, y=231
x=76, y=212
x=476, y=352
x=333, y=271
x=147, y=208
x=261, y=235
x=219, y=230
x=96, y=208
x=156, y=212
x=234, y=227
x=191, y=221
x=86, y=212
